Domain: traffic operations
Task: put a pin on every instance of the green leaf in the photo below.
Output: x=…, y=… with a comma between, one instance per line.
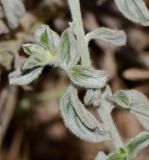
x=130, y=151
x=31, y=63
x=13, y=10
x=33, y=49
x=134, y=10
x=39, y=56
x=37, y=61
x=31, y=68
x=116, y=156
x=115, y=37
x=80, y=121
x=120, y=155
x=112, y=156
x=135, y=102
x=120, y=99
x=88, y=77
x=48, y=39
x=69, y=54
x=136, y=144
x=23, y=78
x=105, y=106
x=92, y=96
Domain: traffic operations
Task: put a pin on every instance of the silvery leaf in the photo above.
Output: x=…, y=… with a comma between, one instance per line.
x=115, y=37
x=131, y=150
x=37, y=61
x=120, y=99
x=86, y=117
x=116, y=156
x=80, y=121
x=31, y=63
x=136, y=103
x=136, y=144
x=106, y=105
x=38, y=56
x=88, y=77
x=48, y=39
x=134, y=10
x=13, y=10
x=121, y=154
x=69, y=55
x=33, y=49
x=23, y=78
x=92, y=97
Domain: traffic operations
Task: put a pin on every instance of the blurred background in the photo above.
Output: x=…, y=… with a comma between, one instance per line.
x=30, y=117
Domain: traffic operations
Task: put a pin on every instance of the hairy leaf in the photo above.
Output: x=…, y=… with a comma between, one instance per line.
x=115, y=37
x=116, y=156
x=69, y=55
x=23, y=78
x=134, y=10
x=113, y=156
x=13, y=10
x=135, y=102
x=136, y=144
x=31, y=63
x=38, y=60
x=30, y=69
x=130, y=151
x=33, y=49
x=48, y=39
x=92, y=97
x=105, y=92
x=80, y=121
x=120, y=99
x=88, y=77
x=120, y=155
x=39, y=57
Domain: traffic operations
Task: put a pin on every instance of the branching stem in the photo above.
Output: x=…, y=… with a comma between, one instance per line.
x=105, y=115
x=79, y=31
x=85, y=59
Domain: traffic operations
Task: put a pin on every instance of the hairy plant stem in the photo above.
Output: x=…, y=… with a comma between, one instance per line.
x=104, y=112
x=79, y=31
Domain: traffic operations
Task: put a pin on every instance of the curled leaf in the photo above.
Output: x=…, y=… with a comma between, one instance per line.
x=23, y=78
x=120, y=99
x=31, y=63
x=13, y=10
x=88, y=77
x=33, y=49
x=48, y=39
x=116, y=156
x=121, y=154
x=69, y=55
x=130, y=151
x=80, y=121
x=39, y=57
x=135, y=102
x=92, y=97
x=115, y=37
x=104, y=104
x=134, y=10
x=137, y=144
